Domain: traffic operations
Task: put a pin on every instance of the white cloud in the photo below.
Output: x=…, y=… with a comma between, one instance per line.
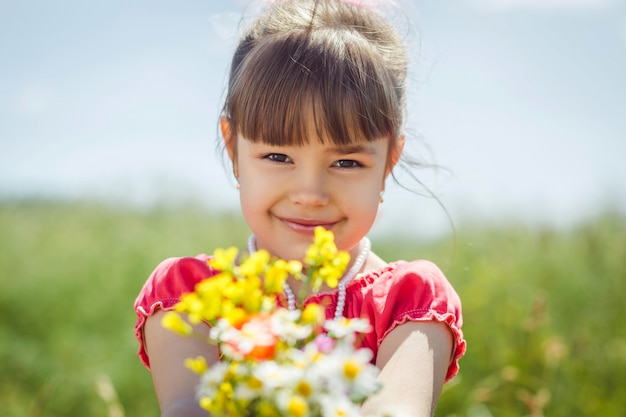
x=541, y=5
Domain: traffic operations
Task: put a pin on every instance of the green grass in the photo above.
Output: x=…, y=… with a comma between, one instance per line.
x=543, y=310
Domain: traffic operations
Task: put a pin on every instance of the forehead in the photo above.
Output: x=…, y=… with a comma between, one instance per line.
x=317, y=145
x=309, y=124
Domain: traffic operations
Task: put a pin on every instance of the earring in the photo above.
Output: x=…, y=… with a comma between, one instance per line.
x=238, y=186
x=380, y=200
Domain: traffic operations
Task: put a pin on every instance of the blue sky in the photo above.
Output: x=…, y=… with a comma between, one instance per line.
x=524, y=101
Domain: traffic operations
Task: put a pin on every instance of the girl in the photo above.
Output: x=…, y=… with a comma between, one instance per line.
x=312, y=123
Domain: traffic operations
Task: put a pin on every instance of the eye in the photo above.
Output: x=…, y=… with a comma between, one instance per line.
x=277, y=157
x=347, y=163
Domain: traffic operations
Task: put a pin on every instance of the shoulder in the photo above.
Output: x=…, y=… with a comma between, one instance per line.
x=172, y=278
x=168, y=282
x=419, y=281
x=410, y=291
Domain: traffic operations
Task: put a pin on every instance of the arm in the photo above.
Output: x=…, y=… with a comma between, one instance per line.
x=174, y=384
x=413, y=359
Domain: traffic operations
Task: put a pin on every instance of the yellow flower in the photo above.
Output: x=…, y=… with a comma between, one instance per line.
x=174, y=322
x=206, y=302
x=304, y=389
x=197, y=365
x=206, y=403
x=266, y=409
x=323, y=236
x=232, y=371
x=330, y=275
x=323, y=248
x=224, y=259
x=275, y=276
x=311, y=258
x=234, y=291
x=254, y=383
x=351, y=369
x=255, y=264
x=318, y=250
x=233, y=314
x=312, y=313
x=253, y=301
x=341, y=260
x=294, y=267
x=225, y=391
x=214, y=285
x=297, y=406
x=194, y=307
x=331, y=270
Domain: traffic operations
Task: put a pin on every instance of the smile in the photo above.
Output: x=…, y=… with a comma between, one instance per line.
x=306, y=225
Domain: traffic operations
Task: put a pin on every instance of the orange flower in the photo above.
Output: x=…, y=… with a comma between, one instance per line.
x=255, y=339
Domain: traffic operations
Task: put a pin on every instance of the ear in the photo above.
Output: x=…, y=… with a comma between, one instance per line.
x=394, y=152
x=230, y=142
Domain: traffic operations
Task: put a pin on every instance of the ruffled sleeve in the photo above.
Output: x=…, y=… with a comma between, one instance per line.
x=413, y=291
x=170, y=280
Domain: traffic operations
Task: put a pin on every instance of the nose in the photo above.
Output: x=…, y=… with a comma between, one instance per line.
x=309, y=189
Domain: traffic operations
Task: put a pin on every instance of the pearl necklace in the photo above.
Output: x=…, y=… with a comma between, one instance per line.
x=341, y=297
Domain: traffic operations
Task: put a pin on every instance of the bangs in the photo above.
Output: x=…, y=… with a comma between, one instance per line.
x=325, y=82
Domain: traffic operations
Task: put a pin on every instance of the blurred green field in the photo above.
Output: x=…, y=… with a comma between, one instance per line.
x=544, y=315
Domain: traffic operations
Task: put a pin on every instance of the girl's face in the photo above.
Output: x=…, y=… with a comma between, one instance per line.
x=286, y=191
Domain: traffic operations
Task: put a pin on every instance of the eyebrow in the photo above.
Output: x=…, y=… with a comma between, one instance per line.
x=348, y=149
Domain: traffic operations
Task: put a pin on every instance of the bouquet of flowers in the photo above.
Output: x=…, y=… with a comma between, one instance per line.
x=276, y=361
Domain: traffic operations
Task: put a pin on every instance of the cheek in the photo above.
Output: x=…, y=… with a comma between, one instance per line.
x=251, y=207
x=362, y=202
x=251, y=197
x=256, y=193
x=370, y=192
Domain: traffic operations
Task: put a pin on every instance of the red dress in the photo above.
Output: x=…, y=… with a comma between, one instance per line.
x=394, y=294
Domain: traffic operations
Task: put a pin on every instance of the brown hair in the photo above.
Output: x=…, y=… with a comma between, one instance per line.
x=332, y=62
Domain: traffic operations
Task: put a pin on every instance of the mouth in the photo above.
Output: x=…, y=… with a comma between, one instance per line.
x=306, y=225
